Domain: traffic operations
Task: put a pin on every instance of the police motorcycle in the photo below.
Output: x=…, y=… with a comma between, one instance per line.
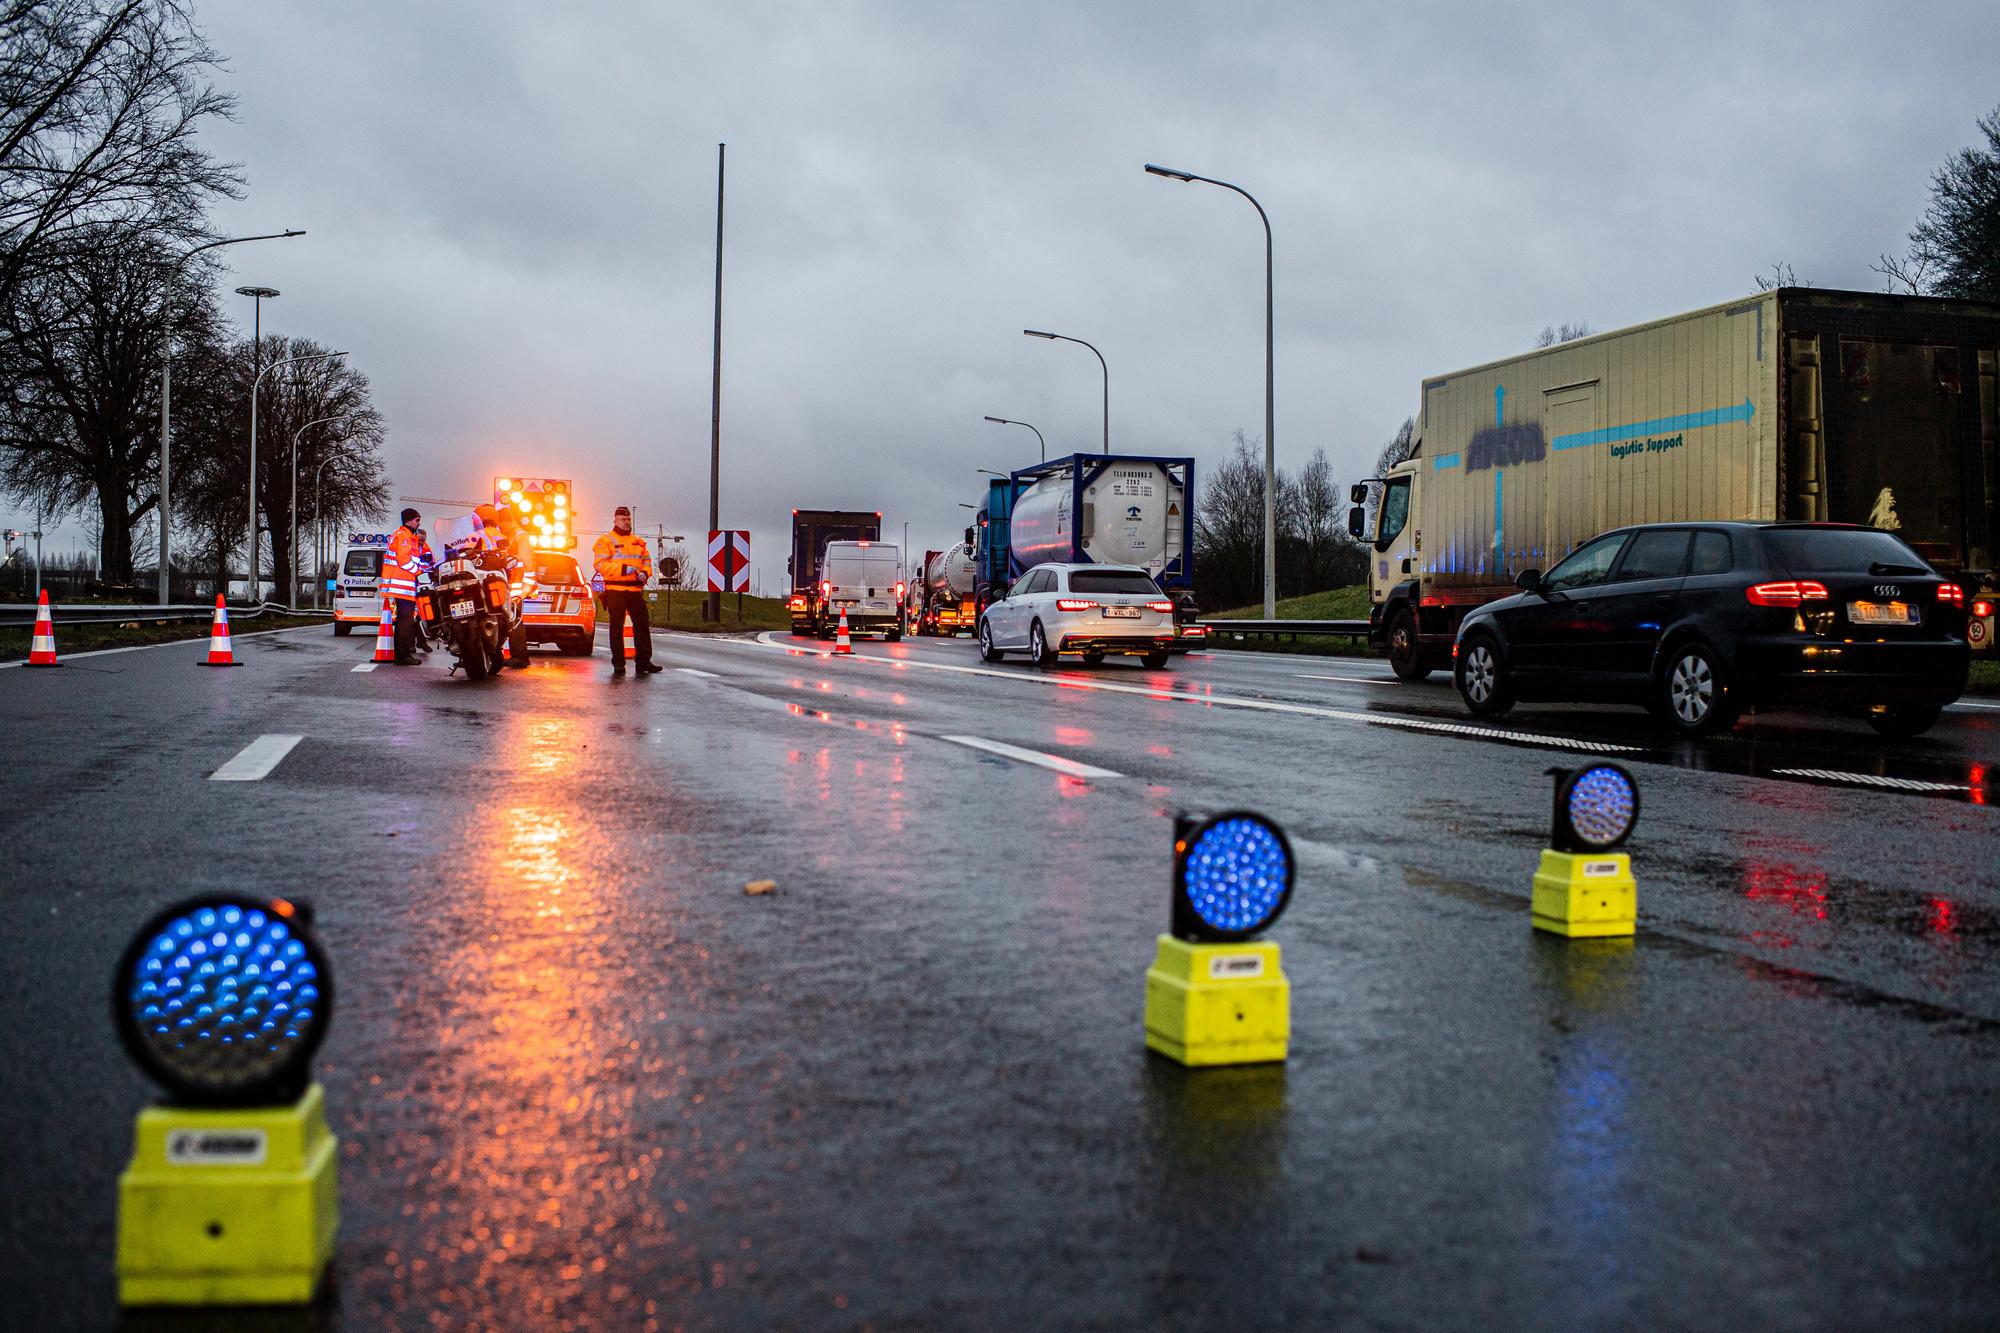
x=472, y=609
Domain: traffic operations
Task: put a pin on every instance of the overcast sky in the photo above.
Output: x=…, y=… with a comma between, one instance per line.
x=511, y=210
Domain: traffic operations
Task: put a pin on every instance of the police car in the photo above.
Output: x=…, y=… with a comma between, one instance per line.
x=357, y=588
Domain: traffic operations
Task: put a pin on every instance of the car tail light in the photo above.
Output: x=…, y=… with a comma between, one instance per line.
x=1160, y=606
x=1790, y=592
x=1951, y=593
x=899, y=590
x=826, y=589
x=796, y=602
x=1982, y=608
x=1073, y=604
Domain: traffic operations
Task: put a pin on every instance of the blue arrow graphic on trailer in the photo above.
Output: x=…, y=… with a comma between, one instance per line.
x=1714, y=416
x=1499, y=405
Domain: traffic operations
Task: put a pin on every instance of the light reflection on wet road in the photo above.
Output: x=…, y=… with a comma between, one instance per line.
x=583, y=1081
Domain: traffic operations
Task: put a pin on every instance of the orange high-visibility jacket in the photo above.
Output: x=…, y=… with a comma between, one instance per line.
x=623, y=562
x=401, y=563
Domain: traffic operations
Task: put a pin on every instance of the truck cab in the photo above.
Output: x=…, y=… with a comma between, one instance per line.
x=1415, y=630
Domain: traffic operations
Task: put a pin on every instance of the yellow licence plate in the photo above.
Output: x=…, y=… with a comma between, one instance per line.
x=1882, y=613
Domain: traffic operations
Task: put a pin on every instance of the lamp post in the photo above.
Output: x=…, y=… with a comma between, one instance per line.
x=1003, y=421
x=250, y=587
x=319, y=524
x=293, y=600
x=1270, y=463
x=1064, y=338
x=167, y=386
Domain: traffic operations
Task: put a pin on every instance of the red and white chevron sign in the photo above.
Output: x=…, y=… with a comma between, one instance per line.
x=729, y=560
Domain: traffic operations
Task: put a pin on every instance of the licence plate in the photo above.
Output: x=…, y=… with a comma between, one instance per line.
x=1883, y=613
x=1122, y=612
x=536, y=608
x=461, y=609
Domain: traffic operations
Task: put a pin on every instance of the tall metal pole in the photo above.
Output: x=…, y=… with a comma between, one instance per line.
x=255, y=384
x=712, y=609
x=293, y=600
x=319, y=527
x=252, y=588
x=1041, y=444
x=1270, y=394
x=167, y=390
x=1065, y=338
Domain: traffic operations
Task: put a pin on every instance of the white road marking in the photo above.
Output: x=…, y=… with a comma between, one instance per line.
x=256, y=759
x=690, y=671
x=1541, y=740
x=1962, y=703
x=170, y=643
x=1351, y=680
x=364, y=666
x=1069, y=767
x=1870, y=780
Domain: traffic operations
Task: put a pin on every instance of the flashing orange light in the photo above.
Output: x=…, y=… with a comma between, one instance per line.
x=1982, y=608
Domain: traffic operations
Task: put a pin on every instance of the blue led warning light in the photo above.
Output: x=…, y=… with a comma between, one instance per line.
x=1232, y=876
x=1595, y=808
x=222, y=1000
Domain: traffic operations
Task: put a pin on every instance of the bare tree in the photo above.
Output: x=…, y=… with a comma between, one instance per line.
x=80, y=349
x=99, y=104
x=1782, y=275
x=1955, y=246
x=1229, y=528
x=1565, y=332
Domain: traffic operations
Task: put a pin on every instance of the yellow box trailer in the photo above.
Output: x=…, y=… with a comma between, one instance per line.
x=1796, y=403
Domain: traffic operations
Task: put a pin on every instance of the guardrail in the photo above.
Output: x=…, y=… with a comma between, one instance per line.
x=98, y=613
x=1338, y=629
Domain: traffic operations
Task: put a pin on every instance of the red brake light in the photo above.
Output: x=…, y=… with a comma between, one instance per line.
x=1162, y=605
x=1790, y=592
x=1982, y=608
x=797, y=603
x=1952, y=593
x=825, y=588
x=1073, y=604
x=899, y=590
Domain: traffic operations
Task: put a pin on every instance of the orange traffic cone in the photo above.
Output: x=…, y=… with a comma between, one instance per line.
x=842, y=645
x=385, y=635
x=42, y=651
x=506, y=650
x=631, y=639
x=219, y=653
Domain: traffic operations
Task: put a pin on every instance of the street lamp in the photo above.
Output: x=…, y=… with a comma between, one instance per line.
x=1003, y=421
x=293, y=600
x=250, y=587
x=1270, y=456
x=167, y=384
x=1064, y=338
x=319, y=522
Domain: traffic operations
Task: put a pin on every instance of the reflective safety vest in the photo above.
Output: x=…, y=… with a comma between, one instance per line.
x=401, y=563
x=623, y=562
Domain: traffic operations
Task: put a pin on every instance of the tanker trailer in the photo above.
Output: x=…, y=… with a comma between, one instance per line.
x=1106, y=509
x=948, y=579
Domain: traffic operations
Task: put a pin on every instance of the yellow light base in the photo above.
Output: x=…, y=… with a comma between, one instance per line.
x=228, y=1207
x=1218, y=1004
x=1585, y=896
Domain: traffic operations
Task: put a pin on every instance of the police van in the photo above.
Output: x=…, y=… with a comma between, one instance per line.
x=357, y=586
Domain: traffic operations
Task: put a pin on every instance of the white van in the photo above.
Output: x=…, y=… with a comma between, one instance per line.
x=866, y=580
x=357, y=587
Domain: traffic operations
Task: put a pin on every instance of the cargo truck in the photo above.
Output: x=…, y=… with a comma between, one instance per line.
x=812, y=529
x=1112, y=509
x=947, y=603
x=1795, y=403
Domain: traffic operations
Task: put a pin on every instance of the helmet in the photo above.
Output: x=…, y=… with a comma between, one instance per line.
x=487, y=514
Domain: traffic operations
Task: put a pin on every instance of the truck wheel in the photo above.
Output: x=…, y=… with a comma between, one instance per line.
x=987, y=652
x=1156, y=661
x=894, y=636
x=1406, y=655
x=1695, y=691
x=1482, y=678
x=1039, y=651
x=1904, y=720
x=342, y=628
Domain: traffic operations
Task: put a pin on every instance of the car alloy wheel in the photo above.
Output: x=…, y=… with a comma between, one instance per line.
x=1481, y=676
x=1691, y=689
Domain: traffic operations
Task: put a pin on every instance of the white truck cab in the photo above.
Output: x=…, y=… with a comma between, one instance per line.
x=865, y=579
x=357, y=585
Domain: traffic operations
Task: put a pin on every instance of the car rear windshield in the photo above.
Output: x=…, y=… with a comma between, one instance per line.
x=555, y=569
x=1110, y=580
x=366, y=563
x=1841, y=551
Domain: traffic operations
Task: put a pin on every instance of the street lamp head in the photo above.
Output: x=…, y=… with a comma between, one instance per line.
x=1168, y=172
x=262, y=293
x=1000, y=421
x=293, y=231
x=1037, y=333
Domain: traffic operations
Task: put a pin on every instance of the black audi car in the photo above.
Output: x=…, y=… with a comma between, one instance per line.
x=1699, y=620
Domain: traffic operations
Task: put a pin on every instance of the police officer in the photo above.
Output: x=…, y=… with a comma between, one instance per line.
x=401, y=564
x=625, y=565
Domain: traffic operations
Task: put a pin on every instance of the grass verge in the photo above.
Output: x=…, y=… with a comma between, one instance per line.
x=759, y=613
x=1332, y=604
x=85, y=638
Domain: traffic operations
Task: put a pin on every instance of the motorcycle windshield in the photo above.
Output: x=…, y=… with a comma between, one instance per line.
x=460, y=533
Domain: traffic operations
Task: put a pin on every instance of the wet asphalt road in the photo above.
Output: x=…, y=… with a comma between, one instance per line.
x=581, y=1080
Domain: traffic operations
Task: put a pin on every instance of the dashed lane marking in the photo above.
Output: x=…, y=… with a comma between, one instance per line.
x=256, y=759
x=1351, y=680
x=364, y=666
x=1069, y=767
x=1967, y=703
x=690, y=671
x=1167, y=695
x=1870, y=780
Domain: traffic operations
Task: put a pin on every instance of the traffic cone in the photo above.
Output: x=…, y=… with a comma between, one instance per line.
x=631, y=640
x=506, y=651
x=42, y=651
x=842, y=645
x=385, y=635
x=219, y=653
